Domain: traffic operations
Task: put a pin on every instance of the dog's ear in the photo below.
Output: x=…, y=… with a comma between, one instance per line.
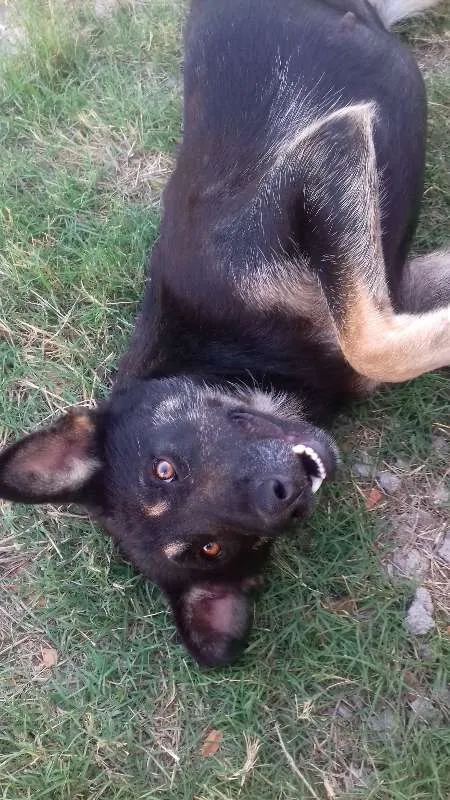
x=56, y=464
x=214, y=621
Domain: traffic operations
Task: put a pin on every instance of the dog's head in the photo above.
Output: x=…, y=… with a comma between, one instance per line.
x=192, y=483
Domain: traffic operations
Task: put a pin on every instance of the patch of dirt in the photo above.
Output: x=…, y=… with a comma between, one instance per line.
x=142, y=176
x=433, y=53
x=25, y=653
x=104, y=8
x=24, y=650
x=11, y=36
x=160, y=729
x=129, y=170
x=414, y=520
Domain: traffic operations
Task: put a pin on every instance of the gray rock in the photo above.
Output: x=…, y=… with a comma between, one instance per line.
x=423, y=708
x=344, y=711
x=384, y=721
x=419, y=618
x=388, y=481
x=425, y=652
x=10, y=35
x=441, y=495
x=442, y=696
x=104, y=8
x=444, y=549
x=410, y=563
x=440, y=444
x=362, y=470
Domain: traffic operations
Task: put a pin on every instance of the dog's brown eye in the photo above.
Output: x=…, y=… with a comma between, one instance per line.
x=211, y=550
x=164, y=470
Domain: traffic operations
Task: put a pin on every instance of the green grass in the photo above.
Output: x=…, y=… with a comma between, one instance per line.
x=124, y=712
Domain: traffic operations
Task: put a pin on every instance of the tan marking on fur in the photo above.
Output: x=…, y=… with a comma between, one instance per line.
x=230, y=621
x=377, y=343
x=392, y=347
x=156, y=510
x=174, y=549
x=39, y=473
x=290, y=287
x=79, y=471
x=81, y=423
x=358, y=111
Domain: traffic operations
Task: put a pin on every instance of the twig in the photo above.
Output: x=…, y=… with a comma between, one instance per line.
x=293, y=765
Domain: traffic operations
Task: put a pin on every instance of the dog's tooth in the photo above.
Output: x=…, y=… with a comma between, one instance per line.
x=322, y=470
x=316, y=483
x=301, y=449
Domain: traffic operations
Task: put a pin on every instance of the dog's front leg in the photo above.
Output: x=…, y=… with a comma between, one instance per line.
x=342, y=195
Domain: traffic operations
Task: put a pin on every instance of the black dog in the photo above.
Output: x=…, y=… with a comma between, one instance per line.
x=279, y=287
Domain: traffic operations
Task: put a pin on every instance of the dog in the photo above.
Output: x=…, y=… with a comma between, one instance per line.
x=280, y=287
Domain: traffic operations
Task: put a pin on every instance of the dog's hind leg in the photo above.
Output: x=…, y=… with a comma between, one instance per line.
x=341, y=198
x=425, y=284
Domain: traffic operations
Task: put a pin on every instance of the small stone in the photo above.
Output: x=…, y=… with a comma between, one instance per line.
x=442, y=695
x=441, y=495
x=425, y=652
x=104, y=8
x=344, y=711
x=384, y=721
x=388, y=481
x=410, y=563
x=419, y=618
x=356, y=701
x=423, y=708
x=444, y=549
x=440, y=444
x=361, y=470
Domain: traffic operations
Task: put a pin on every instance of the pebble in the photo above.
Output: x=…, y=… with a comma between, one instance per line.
x=384, y=721
x=424, y=709
x=419, y=618
x=103, y=8
x=410, y=563
x=444, y=549
x=441, y=495
x=388, y=481
x=362, y=470
x=440, y=444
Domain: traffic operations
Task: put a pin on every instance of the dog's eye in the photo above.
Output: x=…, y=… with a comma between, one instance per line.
x=211, y=550
x=164, y=470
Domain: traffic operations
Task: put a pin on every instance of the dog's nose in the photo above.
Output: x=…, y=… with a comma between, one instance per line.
x=274, y=495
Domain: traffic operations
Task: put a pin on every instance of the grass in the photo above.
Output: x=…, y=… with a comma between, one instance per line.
x=321, y=705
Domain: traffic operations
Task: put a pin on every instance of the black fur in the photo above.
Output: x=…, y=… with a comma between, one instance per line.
x=188, y=389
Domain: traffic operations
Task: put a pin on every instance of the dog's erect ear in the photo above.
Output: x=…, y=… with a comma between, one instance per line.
x=214, y=621
x=56, y=464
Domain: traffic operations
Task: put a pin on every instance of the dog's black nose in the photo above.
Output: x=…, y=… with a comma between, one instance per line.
x=274, y=495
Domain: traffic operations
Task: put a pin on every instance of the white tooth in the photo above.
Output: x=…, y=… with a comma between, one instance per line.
x=298, y=448
x=316, y=483
x=322, y=470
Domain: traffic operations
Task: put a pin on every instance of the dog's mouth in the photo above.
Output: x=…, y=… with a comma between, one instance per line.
x=312, y=447
x=312, y=464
